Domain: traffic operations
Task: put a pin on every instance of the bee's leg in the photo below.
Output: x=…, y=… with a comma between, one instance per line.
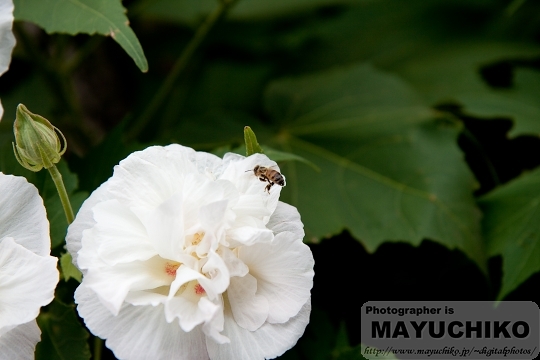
x=270, y=184
x=262, y=178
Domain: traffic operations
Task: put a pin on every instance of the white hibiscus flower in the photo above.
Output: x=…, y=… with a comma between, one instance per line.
x=185, y=256
x=7, y=40
x=28, y=274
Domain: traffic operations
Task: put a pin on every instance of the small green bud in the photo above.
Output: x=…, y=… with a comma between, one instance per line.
x=38, y=145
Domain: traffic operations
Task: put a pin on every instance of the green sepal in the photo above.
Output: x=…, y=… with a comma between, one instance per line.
x=252, y=146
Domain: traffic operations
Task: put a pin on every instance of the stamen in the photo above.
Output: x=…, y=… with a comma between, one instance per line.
x=197, y=238
x=199, y=290
x=171, y=267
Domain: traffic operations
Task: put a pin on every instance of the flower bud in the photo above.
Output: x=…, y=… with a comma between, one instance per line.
x=37, y=143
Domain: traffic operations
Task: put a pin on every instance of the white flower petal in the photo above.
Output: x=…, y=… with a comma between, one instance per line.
x=7, y=40
x=22, y=214
x=284, y=273
x=268, y=342
x=119, y=235
x=249, y=310
x=27, y=282
x=192, y=313
x=234, y=264
x=112, y=284
x=139, y=332
x=20, y=342
x=84, y=221
x=286, y=218
x=165, y=227
x=248, y=235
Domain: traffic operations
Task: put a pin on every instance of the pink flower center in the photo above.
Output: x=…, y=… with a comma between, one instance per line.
x=170, y=268
x=199, y=290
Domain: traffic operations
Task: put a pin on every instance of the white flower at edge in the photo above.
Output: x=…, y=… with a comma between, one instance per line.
x=185, y=256
x=28, y=274
x=7, y=40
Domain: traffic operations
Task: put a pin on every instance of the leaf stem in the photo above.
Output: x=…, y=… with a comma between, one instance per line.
x=59, y=183
x=179, y=66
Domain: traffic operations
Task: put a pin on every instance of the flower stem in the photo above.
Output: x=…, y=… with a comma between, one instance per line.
x=161, y=95
x=59, y=183
x=98, y=346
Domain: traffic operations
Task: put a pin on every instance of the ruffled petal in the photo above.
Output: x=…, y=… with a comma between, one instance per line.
x=22, y=214
x=249, y=310
x=139, y=332
x=20, y=342
x=286, y=218
x=239, y=170
x=119, y=235
x=268, y=342
x=112, y=284
x=284, y=273
x=7, y=40
x=27, y=282
x=84, y=221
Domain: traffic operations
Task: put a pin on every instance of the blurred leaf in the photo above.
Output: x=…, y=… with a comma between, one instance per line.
x=190, y=11
x=278, y=156
x=512, y=229
x=62, y=335
x=68, y=269
x=389, y=170
x=521, y=103
x=319, y=338
x=98, y=165
x=105, y=17
x=448, y=72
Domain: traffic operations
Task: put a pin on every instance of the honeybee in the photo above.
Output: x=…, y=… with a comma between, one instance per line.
x=266, y=174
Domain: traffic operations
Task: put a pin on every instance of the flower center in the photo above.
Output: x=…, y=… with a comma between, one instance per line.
x=199, y=290
x=197, y=237
x=171, y=267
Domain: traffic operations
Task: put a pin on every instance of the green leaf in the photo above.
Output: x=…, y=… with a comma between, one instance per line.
x=105, y=17
x=277, y=156
x=68, y=269
x=512, y=229
x=451, y=72
x=389, y=169
x=519, y=103
x=63, y=336
x=190, y=11
x=252, y=146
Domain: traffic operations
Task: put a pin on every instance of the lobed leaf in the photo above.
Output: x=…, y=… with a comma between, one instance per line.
x=389, y=169
x=512, y=229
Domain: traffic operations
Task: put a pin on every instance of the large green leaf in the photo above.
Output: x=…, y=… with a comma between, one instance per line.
x=63, y=336
x=519, y=103
x=512, y=229
x=389, y=169
x=105, y=17
x=449, y=72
